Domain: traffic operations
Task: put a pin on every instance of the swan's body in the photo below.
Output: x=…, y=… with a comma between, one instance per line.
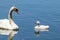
x=39, y=27
x=9, y=23
x=4, y=24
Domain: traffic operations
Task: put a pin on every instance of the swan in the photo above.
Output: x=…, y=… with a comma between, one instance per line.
x=9, y=23
x=39, y=27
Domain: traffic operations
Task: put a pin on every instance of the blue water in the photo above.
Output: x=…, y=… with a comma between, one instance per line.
x=46, y=11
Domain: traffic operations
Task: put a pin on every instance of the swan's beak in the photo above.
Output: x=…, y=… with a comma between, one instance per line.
x=17, y=11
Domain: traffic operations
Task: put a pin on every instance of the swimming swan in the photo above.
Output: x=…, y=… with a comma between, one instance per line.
x=39, y=27
x=9, y=23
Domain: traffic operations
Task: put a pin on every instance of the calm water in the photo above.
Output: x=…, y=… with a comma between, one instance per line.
x=46, y=11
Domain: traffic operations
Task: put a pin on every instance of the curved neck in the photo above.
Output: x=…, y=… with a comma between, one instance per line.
x=10, y=16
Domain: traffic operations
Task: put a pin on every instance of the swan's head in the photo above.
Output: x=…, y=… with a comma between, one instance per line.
x=13, y=8
x=38, y=22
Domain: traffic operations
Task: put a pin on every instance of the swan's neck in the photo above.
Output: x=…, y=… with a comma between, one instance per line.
x=10, y=16
x=38, y=25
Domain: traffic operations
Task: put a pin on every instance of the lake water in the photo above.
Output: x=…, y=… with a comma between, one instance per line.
x=46, y=11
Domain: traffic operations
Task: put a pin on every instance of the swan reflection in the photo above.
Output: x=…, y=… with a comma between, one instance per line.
x=9, y=33
x=37, y=33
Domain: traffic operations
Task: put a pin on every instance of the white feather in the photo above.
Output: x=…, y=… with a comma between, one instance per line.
x=4, y=23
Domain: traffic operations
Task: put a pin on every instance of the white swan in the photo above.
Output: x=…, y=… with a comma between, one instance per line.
x=9, y=23
x=39, y=27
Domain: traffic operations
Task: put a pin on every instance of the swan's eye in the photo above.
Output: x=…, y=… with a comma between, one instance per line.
x=16, y=10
